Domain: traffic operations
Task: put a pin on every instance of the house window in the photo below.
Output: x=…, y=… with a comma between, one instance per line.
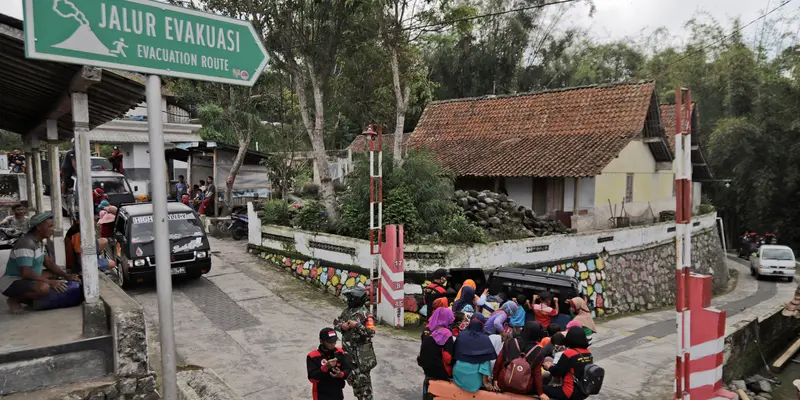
x=629, y=188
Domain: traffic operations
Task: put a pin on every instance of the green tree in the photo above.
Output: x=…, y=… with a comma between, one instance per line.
x=226, y=112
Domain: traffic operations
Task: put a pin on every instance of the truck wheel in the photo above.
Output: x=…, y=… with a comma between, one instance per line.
x=123, y=277
x=789, y=279
x=46, y=191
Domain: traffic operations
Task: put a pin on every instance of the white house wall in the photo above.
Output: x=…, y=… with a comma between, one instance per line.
x=520, y=190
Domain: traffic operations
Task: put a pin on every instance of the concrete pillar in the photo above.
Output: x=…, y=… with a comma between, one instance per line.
x=91, y=278
x=29, y=180
x=36, y=163
x=55, y=191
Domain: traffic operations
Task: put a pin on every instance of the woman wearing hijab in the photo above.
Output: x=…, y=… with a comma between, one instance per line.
x=473, y=353
x=496, y=322
x=584, y=316
x=467, y=283
x=532, y=333
x=468, y=298
x=441, y=302
x=570, y=366
x=436, y=350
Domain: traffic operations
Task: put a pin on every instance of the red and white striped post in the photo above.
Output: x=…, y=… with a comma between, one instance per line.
x=375, y=145
x=683, y=237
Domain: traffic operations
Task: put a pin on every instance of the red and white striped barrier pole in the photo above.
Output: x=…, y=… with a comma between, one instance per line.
x=683, y=237
x=375, y=148
x=701, y=328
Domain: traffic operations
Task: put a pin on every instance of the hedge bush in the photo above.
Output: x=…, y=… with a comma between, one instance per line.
x=417, y=195
x=312, y=217
x=276, y=212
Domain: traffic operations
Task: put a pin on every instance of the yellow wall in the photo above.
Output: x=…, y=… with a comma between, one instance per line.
x=648, y=184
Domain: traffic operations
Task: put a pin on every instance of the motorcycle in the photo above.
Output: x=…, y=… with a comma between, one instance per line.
x=238, y=226
x=748, y=245
x=8, y=237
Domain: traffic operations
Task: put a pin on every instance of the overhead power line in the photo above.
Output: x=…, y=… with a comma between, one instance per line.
x=487, y=15
x=693, y=52
x=446, y=23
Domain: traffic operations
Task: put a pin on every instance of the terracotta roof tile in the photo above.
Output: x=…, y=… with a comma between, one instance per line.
x=668, y=122
x=359, y=144
x=570, y=132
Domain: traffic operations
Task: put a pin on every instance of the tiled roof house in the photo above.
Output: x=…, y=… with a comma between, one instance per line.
x=577, y=153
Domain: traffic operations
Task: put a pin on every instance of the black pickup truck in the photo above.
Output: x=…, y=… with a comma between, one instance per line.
x=514, y=281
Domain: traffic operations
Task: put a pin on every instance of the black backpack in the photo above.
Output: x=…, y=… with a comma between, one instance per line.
x=592, y=380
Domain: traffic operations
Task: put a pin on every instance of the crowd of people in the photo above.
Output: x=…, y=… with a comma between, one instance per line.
x=16, y=162
x=512, y=345
x=200, y=197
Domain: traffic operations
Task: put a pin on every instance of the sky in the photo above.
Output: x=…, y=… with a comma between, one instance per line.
x=617, y=19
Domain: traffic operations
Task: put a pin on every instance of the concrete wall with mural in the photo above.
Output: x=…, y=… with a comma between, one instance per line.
x=328, y=276
x=620, y=270
x=591, y=274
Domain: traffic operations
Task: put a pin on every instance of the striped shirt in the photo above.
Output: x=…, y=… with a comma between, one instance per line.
x=29, y=251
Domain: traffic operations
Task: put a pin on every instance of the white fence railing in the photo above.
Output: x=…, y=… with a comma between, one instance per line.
x=421, y=257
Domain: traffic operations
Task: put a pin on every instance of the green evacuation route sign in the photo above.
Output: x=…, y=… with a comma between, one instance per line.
x=144, y=36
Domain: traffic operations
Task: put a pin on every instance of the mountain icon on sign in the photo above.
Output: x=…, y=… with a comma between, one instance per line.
x=83, y=39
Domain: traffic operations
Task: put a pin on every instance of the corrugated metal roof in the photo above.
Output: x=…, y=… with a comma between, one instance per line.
x=129, y=131
x=130, y=137
x=30, y=89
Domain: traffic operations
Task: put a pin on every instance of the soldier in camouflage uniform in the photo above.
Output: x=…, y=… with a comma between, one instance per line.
x=357, y=329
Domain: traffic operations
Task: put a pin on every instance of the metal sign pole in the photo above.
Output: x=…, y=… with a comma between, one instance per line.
x=161, y=233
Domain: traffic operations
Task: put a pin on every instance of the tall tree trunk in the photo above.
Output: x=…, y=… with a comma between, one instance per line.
x=401, y=106
x=315, y=132
x=244, y=144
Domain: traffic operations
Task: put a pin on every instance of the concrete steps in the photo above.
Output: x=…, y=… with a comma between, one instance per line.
x=37, y=368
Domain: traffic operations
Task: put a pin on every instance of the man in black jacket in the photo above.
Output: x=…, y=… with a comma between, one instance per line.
x=436, y=289
x=328, y=367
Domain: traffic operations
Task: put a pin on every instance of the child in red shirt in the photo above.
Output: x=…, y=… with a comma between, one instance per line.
x=542, y=310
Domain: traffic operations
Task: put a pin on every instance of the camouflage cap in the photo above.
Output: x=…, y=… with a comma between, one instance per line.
x=38, y=219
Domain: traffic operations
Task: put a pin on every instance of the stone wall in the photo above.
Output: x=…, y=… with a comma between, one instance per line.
x=742, y=356
x=644, y=278
x=133, y=379
x=620, y=270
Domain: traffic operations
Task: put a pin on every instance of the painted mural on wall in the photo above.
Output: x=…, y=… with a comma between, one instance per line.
x=333, y=280
x=592, y=278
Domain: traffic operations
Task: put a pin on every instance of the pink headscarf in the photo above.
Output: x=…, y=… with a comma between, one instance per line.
x=439, y=324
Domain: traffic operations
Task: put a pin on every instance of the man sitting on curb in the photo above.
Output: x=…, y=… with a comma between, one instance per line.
x=25, y=279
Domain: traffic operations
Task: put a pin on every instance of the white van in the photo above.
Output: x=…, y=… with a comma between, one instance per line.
x=773, y=260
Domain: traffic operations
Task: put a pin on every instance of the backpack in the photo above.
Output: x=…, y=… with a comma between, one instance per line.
x=518, y=372
x=592, y=380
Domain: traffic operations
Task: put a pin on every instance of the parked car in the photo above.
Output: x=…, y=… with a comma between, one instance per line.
x=773, y=260
x=135, y=252
x=114, y=184
x=98, y=164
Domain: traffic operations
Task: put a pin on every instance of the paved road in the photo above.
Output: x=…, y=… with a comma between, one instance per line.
x=253, y=324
